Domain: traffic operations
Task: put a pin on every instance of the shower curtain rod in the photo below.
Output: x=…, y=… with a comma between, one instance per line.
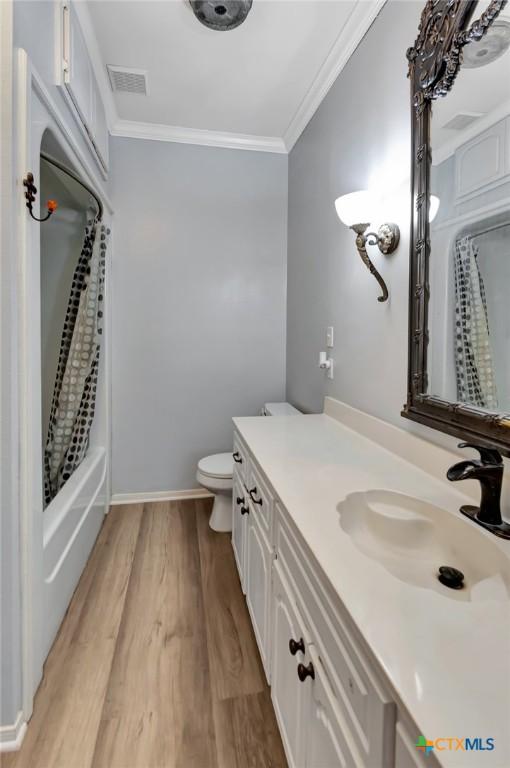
x=76, y=178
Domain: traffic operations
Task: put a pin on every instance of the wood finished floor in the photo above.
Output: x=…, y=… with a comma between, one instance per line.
x=155, y=664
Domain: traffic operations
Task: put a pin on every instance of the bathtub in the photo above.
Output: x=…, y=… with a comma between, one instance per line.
x=71, y=524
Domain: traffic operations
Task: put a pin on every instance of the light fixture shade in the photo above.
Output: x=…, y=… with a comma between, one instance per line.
x=355, y=208
x=433, y=207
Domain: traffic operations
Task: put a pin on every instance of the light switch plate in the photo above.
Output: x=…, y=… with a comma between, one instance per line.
x=330, y=372
x=330, y=335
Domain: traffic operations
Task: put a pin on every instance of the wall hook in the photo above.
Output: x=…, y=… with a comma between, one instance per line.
x=30, y=194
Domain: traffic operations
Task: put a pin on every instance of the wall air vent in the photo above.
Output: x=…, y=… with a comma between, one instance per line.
x=462, y=120
x=127, y=80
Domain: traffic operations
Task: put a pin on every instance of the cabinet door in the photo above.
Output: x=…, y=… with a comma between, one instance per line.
x=78, y=76
x=287, y=692
x=81, y=86
x=258, y=585
x=239, y=519
x=329, y=743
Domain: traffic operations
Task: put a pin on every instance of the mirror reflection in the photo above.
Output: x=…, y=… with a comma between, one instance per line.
x=469, y=313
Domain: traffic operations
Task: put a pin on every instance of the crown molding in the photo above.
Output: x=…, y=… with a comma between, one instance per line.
x=358, y=24
x=160, y=132
x=346, y=43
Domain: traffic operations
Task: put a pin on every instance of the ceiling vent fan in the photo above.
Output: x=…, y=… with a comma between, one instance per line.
x=221, y=15
x=127, y=80
x=461, y=120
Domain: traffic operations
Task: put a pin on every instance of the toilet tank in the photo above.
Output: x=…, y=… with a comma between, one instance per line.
x=280, y=409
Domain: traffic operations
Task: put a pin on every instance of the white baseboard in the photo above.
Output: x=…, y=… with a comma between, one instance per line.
x=11, y=736
x=148, y=496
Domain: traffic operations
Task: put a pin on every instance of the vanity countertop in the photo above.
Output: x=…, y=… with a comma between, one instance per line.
x=448, y=661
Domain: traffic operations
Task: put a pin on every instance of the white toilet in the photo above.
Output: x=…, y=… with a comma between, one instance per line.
x=215, y=474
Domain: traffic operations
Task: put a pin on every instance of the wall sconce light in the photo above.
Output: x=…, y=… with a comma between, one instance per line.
x=356, y=211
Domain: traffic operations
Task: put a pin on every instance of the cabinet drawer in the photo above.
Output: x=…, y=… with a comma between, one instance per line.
x=367, y=708
x=261, y=499
x=240, y=455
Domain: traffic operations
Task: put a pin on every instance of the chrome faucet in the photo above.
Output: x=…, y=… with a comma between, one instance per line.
x=488, y=469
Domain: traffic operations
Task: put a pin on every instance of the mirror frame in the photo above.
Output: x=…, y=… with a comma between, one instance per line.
x=434, y=62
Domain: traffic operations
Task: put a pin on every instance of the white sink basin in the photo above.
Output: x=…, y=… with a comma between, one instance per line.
x=411, y=539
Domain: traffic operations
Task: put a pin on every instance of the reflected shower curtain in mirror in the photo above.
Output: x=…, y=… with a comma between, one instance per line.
x=473, y=354
x=74, y=394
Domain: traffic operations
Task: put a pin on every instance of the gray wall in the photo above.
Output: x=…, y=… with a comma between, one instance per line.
x=358, y=138
x=198, y=307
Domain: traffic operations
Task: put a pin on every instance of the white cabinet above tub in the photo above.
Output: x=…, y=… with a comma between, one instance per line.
x=75, y=75
x=358, y=669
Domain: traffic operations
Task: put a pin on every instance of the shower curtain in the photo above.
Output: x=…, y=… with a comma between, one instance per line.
x=473, y=355
x=74, y=393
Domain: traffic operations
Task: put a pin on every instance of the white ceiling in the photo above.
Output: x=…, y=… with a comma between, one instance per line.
x=259, y=83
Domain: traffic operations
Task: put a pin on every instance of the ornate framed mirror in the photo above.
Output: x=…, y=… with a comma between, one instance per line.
x=459, y=297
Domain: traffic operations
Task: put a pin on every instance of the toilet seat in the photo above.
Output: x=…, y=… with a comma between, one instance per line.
x=219, y=465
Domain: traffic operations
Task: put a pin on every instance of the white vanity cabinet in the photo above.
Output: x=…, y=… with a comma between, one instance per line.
x=338, y=712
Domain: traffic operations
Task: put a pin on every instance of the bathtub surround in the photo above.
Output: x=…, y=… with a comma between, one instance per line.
x=199, y=283
x=29, y=26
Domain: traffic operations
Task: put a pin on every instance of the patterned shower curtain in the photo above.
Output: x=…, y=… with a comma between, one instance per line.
x=74, y=393
x=473, y=355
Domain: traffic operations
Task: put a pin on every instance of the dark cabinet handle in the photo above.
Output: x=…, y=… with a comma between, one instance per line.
x=296, y=645
x=304, y=672
x=237, y=457
x=253, y=491
x=245, y=511
x=240, y=500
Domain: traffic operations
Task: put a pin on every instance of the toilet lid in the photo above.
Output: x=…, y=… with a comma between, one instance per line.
x=217, y=465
